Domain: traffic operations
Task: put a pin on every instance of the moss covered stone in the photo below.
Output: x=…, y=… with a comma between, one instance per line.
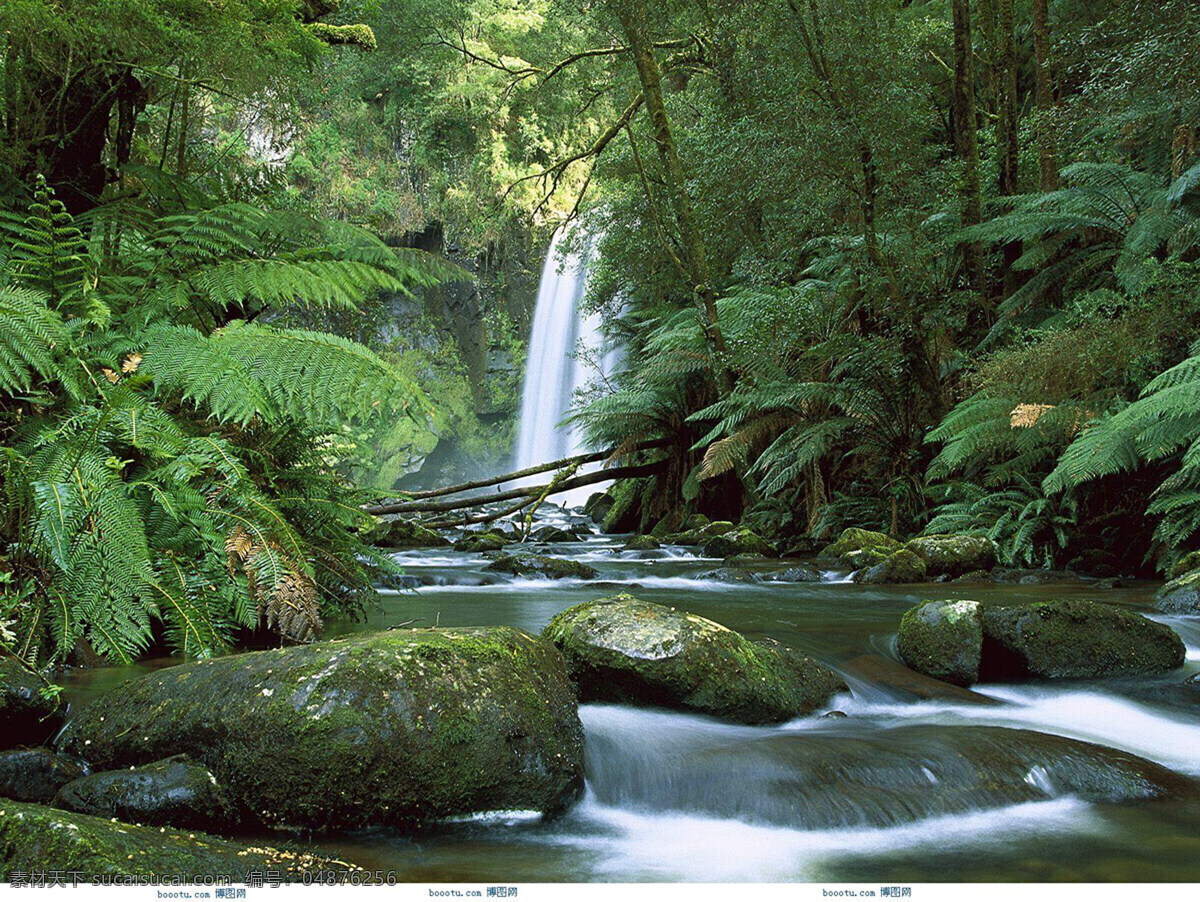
x=944, y=640
x=902, y=567
x=35, y=775
x=954, y=555
x=856, y=548
x=641, y=543
x=554, y=534
x=1064, y=639
x=624, y=649
x=28, y=716
x=477, y=542
x=738, y=541
x=1181, y=595
x=176, y=792
x=384, y=728
x=700, y=535
x=405, y=534
x=964, y=641
x=541, y=566
x=33, y=837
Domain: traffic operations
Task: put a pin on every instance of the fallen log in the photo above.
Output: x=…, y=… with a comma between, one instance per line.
x=532, y=492
x=579, y=459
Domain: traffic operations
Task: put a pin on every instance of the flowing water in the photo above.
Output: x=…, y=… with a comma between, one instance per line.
x=903, y=789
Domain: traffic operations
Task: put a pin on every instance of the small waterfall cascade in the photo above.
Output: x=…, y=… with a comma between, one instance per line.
x=566, y=351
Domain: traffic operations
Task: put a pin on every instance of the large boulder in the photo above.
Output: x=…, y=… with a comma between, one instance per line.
x=598, y=505
x=954, y=555
x=964, y=641
x=1074, y=639
x=35, y=775
x=34, y=838
x=175, y=792
x=541, y=566
x=738, y=541
x=406, y=534
x=944, y=640
x=641, y=543
x=902, y=567
x=856, y=548
x=624, y=649
x=1181, y=595
x=702, y=534
x=28, y=714
x=553, y=534
x=385, y=728
x=797, y=574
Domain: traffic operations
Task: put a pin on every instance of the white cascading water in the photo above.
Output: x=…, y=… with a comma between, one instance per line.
x=565, y=350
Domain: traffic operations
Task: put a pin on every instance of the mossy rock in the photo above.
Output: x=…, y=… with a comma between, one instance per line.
x=730, y=575
x=477, y=542
x=175, y=792
x=541, y=566
x=953, y=556
x=552, y=534
x=406, y=534
x=1185, y=565
x=902, y=567
x=641, y=543
x=696, y=521
x=626, y=650
x=944, y=640
x=1181, y=595
x=965, y=641
x=857, y=548
x=27, y=715
x=378, y=729
x=738, y=541
x=702, y=534
x=36, y=838
x=1074, y=639
x=598, y=505
x=798, y=574
x=35, y=775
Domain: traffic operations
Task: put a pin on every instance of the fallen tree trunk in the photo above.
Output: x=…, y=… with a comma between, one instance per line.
x=532, y=492
x=531, y=471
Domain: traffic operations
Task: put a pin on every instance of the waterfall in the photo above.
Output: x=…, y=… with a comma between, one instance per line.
x=565, y=348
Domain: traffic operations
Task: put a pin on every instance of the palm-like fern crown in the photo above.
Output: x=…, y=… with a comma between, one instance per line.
x=164, y=442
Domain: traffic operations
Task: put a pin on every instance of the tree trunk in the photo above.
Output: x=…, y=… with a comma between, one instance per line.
x=1047, y=141
x=632, y=14
x=966, y=140
x=1006, y=133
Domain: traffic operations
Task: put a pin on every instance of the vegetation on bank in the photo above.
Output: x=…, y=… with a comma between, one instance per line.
x=919, y=267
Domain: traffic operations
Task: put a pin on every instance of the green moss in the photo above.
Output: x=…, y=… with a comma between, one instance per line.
x=624, y=649
x=1181, y=595
x=738, y=541
x=376, y=729
x=954, y=555
x=856, y=548
x=902, y=567
x=943, y=639
x=542, y=566
x=481, y=541
x=33, y=837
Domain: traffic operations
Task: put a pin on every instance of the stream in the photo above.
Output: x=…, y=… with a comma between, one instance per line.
x=676, y=797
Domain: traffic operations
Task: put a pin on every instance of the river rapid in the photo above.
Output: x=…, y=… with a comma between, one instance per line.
x=903, y=788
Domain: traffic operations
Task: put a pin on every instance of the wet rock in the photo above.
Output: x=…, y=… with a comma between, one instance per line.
x=730, y=575
x=1181, y=595
x=624, y=649
x=174, y=792
x=641, y=543
x=839, y=775
x=857, y=548
x=28, y=716
x=908, y=684
x=541, y=566
x=963, y=641
x=834, y=715
x=1074, y=639
x=598, y=505
x=1026, y=577
x=701, y=534
x=405, y=534
x=35, y=775
x=1185, y=565
x=1111, y=582
x=553, y=534
x=35, y=838
x=954, y=555
x=943, y=640
x=738, y=541
x=975, y=576
x=902, y=567
x=800, y=574
x=476, y=542
x=378, y=729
